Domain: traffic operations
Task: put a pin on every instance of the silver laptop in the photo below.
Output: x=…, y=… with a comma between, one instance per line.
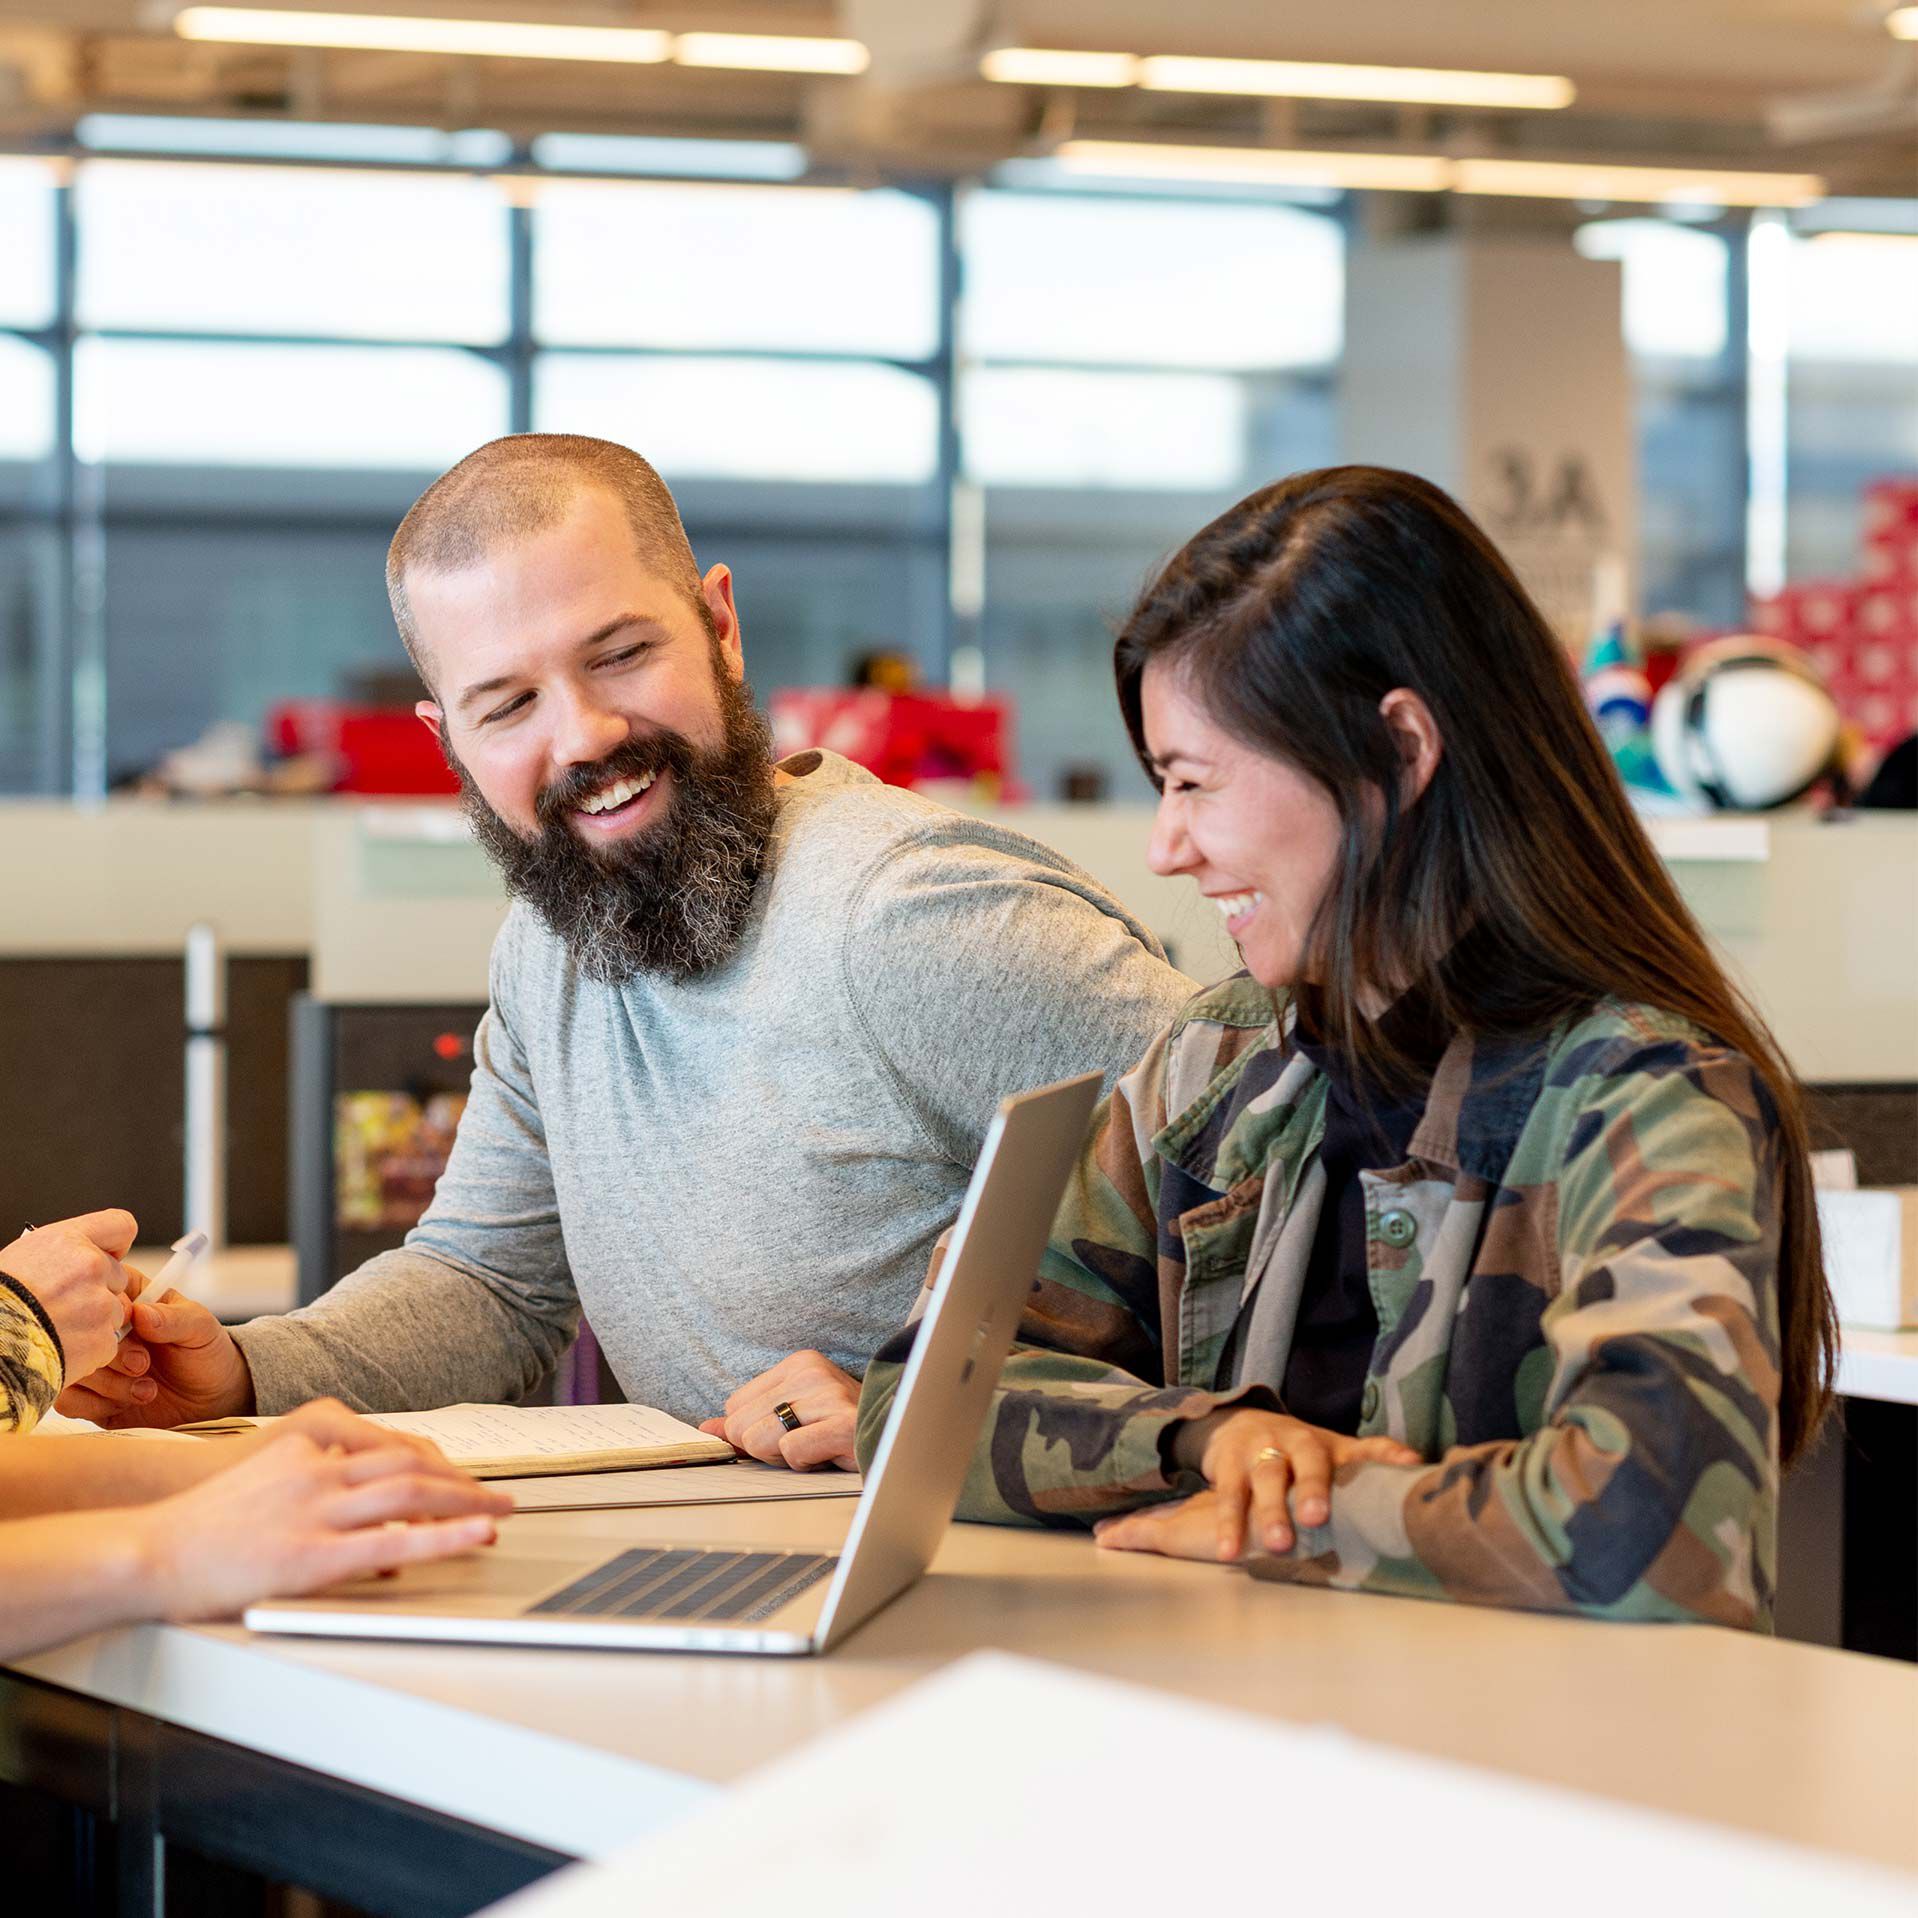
x=740, y=1599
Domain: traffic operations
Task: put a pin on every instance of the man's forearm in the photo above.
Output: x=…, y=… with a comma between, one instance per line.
x=409, y=1330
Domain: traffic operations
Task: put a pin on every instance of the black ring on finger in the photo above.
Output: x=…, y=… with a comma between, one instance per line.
x=787, y=1417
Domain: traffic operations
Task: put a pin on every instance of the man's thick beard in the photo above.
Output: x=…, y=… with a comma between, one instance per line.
x=675, y=899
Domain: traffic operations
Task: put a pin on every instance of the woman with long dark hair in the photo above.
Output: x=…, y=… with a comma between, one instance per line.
x=1464, y=1245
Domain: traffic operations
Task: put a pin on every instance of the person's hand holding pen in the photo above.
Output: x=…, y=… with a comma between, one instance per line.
x=73, y=1270
x=185, y=1250
x=179, y=1365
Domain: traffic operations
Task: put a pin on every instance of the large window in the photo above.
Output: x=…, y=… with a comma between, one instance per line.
x=1069, y=279
x=1851, y=388
x=736, y=268
x=1130, y=366
x=203, y=403
x=26, y=243
x=271, y=361
x=289, y=250
x=1690, y=413
x=774, y=351
x=32, y=587
x=699, y=417
x=868, y=399
x=26, y=400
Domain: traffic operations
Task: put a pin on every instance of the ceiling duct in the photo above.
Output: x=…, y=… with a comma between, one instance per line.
x=1888, y=107
x=920, y=42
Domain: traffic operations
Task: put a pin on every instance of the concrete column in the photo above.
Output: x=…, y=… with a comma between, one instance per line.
x=1496, y=367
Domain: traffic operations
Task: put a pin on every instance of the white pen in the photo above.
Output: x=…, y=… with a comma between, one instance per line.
x=185, y=1251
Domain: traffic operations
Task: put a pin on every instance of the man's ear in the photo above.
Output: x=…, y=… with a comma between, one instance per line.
x=1416, y=735
x=716, y=589
x=428, y=713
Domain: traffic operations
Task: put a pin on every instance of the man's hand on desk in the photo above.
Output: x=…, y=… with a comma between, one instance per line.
x=822, y=1398
x=179, y=1363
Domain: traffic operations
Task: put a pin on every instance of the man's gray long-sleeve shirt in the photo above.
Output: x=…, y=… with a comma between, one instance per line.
x=752, y=1162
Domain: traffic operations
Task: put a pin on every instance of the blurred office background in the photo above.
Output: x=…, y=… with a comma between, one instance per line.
x=947, y=322
x=926, y=387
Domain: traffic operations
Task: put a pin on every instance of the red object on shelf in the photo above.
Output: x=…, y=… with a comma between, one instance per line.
x=379, y=749
x=1862, y=634
x=906, y=739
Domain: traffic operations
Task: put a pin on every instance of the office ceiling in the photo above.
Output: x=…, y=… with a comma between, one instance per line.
x=1804, y=85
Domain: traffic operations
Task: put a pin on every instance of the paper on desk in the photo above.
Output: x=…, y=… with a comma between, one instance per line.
x=543, y=1431
x=492, y=1439
x=677, y=1485
x=1004, y=1772
x=58, y=1425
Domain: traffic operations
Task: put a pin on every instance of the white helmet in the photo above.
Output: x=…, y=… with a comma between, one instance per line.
x=1744, y=724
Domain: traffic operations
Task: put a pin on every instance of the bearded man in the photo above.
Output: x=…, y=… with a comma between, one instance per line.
x=747, y=1024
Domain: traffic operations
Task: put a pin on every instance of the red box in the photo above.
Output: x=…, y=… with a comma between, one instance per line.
x=378, y=749
x=905, y=738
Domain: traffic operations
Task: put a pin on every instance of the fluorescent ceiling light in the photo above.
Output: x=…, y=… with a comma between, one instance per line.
x=1048, y=174
x=392, y=33
x=1316, y=80
x=1123, y=159
x=1688, y=186
x=1051, y=67
x=1902, y=24
x=645, y=155
x=291, y=139
x=519, y=40
x=1437, y=173
x=770, y=53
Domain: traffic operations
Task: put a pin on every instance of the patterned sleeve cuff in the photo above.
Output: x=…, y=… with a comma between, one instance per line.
x=17, y=1289
x=31, y=1366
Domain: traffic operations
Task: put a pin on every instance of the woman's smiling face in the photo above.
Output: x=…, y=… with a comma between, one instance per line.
x=1253, y=833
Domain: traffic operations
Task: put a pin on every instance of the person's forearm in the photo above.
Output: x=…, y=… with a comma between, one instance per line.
x=1556, y=1521
x=408, y=1329
x=64, y=1576
x=81, y=1473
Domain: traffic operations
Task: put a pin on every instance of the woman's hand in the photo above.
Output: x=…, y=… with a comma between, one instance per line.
x=296, y=1514
x=73, y=1268
x=1266, y=1472
x=1186, y=1528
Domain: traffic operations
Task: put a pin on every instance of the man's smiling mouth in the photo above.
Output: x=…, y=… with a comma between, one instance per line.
x=615, y=797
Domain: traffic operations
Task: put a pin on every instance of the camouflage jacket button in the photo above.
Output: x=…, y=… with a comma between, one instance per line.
x=1398, y=1228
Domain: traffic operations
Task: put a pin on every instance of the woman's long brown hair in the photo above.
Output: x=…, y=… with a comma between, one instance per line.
x=1290, y=617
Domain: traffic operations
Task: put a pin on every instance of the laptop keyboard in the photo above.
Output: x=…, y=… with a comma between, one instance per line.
x=688, y=1585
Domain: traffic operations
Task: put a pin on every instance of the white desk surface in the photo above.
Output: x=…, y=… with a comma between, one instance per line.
x=585, y=1751
x=1879, y=1365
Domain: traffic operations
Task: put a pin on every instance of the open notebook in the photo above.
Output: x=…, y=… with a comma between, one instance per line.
x=540, y=1441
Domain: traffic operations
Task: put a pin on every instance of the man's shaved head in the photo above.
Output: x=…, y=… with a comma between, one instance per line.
x=514, y=487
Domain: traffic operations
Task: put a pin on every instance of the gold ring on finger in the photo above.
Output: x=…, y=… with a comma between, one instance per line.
x=1266, y=1453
